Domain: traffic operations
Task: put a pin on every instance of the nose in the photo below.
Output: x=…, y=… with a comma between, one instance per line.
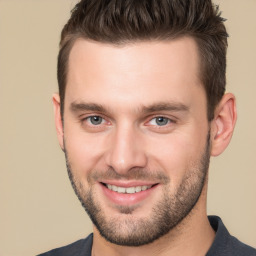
x=126, y=150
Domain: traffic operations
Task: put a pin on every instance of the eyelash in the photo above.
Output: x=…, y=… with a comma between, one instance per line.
x=169, y=121
x=88, y=120
x=161, y=118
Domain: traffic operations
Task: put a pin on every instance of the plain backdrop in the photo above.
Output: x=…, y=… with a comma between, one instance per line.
x=38, y=209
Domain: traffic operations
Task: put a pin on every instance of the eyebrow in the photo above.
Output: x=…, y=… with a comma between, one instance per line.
x=75, y=107
x=165, y=106
x=156, y=107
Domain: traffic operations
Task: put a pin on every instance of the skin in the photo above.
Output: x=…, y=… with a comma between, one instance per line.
x=126, y=81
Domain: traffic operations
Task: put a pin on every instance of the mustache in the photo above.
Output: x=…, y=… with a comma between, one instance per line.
x=132, y=174
x=135, y=173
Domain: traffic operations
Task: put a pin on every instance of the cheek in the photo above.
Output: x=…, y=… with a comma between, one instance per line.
x=176, y=155
x=84, y=151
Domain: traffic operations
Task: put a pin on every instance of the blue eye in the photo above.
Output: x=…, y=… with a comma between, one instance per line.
x=95, y=120
x=160, y=121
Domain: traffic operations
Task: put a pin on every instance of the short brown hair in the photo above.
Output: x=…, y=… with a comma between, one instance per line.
x=123, y=21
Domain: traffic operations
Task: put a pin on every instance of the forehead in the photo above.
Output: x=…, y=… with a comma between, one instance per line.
x=141, y=71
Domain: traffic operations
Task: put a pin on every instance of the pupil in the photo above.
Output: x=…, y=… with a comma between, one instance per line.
x=161, y=121
x=96, y=120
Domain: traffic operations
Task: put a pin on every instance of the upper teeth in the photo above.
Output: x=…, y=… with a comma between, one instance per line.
x=130, y=190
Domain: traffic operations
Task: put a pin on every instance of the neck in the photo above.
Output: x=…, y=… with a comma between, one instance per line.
x=193, y=236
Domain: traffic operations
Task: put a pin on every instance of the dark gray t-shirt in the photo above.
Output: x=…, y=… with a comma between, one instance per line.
x=223, y=245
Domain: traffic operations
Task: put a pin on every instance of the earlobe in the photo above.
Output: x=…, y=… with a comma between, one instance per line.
x=58, y=119
x=223, y=125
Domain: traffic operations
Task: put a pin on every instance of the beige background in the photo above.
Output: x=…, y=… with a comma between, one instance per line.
x=38, y=209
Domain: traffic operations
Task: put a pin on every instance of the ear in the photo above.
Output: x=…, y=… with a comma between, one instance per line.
x=223, y=124
x=58, y=120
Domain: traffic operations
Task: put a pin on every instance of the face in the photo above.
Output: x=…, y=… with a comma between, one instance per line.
x=136, y=136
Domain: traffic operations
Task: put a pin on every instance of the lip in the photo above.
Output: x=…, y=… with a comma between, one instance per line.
x=128, y=184
x=127, y=199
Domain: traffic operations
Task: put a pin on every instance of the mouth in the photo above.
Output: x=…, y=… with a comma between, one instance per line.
x=128, y=193
x=127, y=190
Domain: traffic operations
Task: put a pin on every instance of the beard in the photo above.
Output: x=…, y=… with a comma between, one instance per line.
x=125, y=228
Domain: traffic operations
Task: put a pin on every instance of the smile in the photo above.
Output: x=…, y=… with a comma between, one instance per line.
x=130, y=190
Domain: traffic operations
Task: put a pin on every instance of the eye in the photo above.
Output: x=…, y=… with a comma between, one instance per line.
x=159, y=121
x=95, y=120
x=95, y=123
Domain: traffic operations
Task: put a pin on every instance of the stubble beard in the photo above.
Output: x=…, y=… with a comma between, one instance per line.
x=128, y=230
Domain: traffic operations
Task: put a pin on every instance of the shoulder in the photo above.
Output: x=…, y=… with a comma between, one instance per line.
x=226, y=245
x=80, y=247
x=240, y=248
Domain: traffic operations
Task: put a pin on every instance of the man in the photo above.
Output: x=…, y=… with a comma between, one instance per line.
x=140, y=110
